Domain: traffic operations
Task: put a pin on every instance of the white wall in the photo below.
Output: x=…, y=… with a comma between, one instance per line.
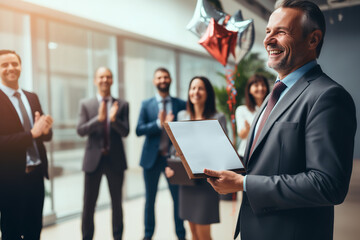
x=162, y=20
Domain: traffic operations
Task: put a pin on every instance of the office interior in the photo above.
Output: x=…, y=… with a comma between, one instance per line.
x=62, y=43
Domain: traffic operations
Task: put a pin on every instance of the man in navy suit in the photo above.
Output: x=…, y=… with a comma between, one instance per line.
x=154, y=112
x=23, y=161
x=300, y=148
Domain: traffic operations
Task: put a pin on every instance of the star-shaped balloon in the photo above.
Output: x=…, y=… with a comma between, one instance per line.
x=245, y=35
x=218, y=41
x=200, y=22
x=204, y=11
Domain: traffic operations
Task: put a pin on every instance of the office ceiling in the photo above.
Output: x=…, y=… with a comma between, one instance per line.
x=263, y=8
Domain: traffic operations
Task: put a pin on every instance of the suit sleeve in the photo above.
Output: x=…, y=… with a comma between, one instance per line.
x=329, y=143
x=145, y=125
x=15, y=140
x=24, y=138
x=121, y=124
x=87, y=125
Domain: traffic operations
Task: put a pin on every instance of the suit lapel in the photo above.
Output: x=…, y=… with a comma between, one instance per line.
x=174, y=107
x=252, y=129
x=154, y=108
x=281, y=107
x=32, y=104
x=12, y=114
x=93, y=106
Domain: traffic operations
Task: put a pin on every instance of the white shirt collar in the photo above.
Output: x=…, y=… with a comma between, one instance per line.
x=159, y=98
x=9, y=91
x=100, y=98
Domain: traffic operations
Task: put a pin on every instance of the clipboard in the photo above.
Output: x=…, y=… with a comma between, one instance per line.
x=203, y=144
x=180, y=177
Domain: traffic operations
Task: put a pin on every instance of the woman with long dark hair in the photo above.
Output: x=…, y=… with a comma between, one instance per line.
x=199, y=204
x=257, y=88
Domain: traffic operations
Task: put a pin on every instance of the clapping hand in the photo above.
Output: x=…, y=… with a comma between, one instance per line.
x=113, y=110
x=42, y=125
x=163, y=117
x=102, y=112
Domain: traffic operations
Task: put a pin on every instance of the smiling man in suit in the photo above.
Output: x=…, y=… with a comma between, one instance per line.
x=105, y=121
x=300, y=148
x=154, y=112
x=23, y=161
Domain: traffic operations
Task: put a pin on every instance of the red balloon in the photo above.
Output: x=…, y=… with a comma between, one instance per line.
x=218, y=41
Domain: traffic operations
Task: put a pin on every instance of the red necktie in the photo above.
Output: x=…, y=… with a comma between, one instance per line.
x=274, y=97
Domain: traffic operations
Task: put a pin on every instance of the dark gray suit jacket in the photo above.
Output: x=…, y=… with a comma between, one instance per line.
x=90, y=126
x=14, y=142
x=302, y=162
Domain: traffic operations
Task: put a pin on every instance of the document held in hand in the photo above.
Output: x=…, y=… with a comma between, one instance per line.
x=203, y=144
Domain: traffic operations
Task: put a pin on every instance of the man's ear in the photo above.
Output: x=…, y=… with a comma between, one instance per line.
x=315, y=38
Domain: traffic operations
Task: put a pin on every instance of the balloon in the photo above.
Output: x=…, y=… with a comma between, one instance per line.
x=201, y=19
x=245, y=36
x=218, y=41
x=204, y=11
x=221, y=34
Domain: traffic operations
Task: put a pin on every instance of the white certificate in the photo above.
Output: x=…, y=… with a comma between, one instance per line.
x=203, y=144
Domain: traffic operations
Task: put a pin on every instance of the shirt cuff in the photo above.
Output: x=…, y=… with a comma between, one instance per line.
x=244, y=183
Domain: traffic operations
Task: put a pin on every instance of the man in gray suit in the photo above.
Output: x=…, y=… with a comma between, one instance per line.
x=300, y=148
x=105, y=120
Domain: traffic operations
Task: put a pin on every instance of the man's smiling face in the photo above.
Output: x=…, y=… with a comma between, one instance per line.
x=10, y=69
x=285, y=42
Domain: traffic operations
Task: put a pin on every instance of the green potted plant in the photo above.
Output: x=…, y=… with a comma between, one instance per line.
x=248, y=66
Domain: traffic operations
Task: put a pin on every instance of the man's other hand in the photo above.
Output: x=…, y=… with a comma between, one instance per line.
x=102, y=112
x=169, y=117
x=113, y=110
x=42, y=125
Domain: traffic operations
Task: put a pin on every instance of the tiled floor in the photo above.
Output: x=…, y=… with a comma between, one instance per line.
x=347, y=216
x=133, y=214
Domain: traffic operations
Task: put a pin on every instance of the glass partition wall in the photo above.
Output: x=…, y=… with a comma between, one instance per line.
x=67, y=57
x=58, y=63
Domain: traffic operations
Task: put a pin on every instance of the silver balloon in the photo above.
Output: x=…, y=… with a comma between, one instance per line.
x=245, y=36
x=204, y=11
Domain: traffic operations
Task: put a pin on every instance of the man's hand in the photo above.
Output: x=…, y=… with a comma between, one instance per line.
x=113, y=110
x=162, y=117
x=225, y=181
x=101, y=112
x=42, y=125
x=169, y=117
x=49, y=122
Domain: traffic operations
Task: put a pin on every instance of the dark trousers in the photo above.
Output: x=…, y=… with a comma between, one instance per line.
x=10, y=210
x=151, y=177
x=33, y=203
x=92, y=184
